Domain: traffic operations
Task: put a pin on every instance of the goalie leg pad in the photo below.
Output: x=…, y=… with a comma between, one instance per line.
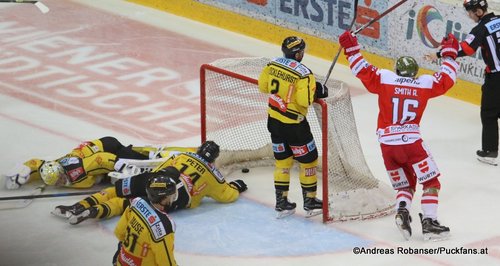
x=130, y=167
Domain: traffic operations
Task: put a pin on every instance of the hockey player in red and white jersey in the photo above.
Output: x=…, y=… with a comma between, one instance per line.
x=402, y=99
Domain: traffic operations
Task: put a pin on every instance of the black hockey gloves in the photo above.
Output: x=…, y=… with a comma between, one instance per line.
x=239, y=185
x=321, y=91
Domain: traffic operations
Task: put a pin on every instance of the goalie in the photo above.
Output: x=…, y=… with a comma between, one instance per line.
x=84, y=166
x=194, y=173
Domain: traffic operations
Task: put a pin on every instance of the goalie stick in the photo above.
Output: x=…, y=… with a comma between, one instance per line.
x=23, y=202
x=54, y=195
x=43, y=8
x=360, y=29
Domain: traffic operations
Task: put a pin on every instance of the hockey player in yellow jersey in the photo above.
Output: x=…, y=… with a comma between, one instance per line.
x=199, y=178
x=83, y=167
x=145, y=232
x=202, y=177
x=292, y=88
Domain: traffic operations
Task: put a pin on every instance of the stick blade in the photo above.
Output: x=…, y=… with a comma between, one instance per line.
x=43, y=8
x=18, y=204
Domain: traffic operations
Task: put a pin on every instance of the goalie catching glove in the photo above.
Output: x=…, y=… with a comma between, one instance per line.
x=17, y=177
x=350, y=43
x=239, y=185
x=449, y=47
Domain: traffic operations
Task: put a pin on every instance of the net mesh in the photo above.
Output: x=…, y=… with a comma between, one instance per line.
x=236, y=118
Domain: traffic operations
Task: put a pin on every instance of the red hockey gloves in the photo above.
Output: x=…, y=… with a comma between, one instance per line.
x=321, y=91
x=350, y=43
x=449, y=46
x=239, y=185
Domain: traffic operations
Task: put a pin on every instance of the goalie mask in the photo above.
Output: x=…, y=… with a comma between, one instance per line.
x=162, y=188
x=475, y=4
x=209, y=151
x=53, y=174
x=406, y=66
x=291, y=46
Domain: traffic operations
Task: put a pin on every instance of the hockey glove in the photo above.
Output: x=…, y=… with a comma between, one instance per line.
x=449, y=46
x=321, y=91
x=350, y=43
x=17, y=177
x=239, y=185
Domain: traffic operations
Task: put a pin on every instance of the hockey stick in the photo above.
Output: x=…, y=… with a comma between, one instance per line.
x=24, y=202
x=340, y=47
x=43, y=8
x=379, y=16
x=54, y=195
x=362, y=28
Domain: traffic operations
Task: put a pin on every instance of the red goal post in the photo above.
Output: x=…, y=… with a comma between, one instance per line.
x=233, y=114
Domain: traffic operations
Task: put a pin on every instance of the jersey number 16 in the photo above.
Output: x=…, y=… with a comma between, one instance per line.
x=407, y=113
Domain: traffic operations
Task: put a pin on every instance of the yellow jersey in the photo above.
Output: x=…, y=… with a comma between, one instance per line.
x=202, y=178
x=146, y=235
x=291, y=86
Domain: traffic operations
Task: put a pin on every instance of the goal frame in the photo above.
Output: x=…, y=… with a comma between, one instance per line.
x=324, y=127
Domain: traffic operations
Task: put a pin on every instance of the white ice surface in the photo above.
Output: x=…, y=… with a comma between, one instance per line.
x=451, y=129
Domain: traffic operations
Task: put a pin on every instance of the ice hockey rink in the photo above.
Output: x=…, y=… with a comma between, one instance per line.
x=44, y=114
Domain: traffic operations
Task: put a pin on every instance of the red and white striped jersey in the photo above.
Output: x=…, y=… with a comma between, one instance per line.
x=402, y=101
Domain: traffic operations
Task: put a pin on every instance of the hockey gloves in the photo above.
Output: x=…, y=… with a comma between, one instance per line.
x=321, y=91
x=17, y=177
x=449, y=47
x=239, y=185
x=350, y=43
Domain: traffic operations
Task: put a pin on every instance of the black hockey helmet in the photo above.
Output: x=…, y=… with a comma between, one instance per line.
x=475, y=4
x=208, y=151
x=292, y=45
x=162, y=185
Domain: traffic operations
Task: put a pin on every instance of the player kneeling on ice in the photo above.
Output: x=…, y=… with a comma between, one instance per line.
x=402, y=99
x=194, y=173
x=145, y=232
x=83, y=167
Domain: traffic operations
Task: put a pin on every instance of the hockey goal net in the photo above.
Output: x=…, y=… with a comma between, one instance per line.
x=233, y=114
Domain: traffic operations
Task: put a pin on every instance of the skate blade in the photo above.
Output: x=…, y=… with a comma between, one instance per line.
x=436, y=237
x=284, y=213
x=313, y=213
x=490, y=161
x=57, y=213
x=399, y=223
x=76, y=219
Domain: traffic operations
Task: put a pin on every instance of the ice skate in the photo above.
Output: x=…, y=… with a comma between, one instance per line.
x=487, y=157
x=432, y=230
x=283, y=207
x=66, y=211
x=312, y=206
x=86, y=214
x=403, y=220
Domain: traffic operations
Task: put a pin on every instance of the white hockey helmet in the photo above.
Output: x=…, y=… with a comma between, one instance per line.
x=53, y=173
